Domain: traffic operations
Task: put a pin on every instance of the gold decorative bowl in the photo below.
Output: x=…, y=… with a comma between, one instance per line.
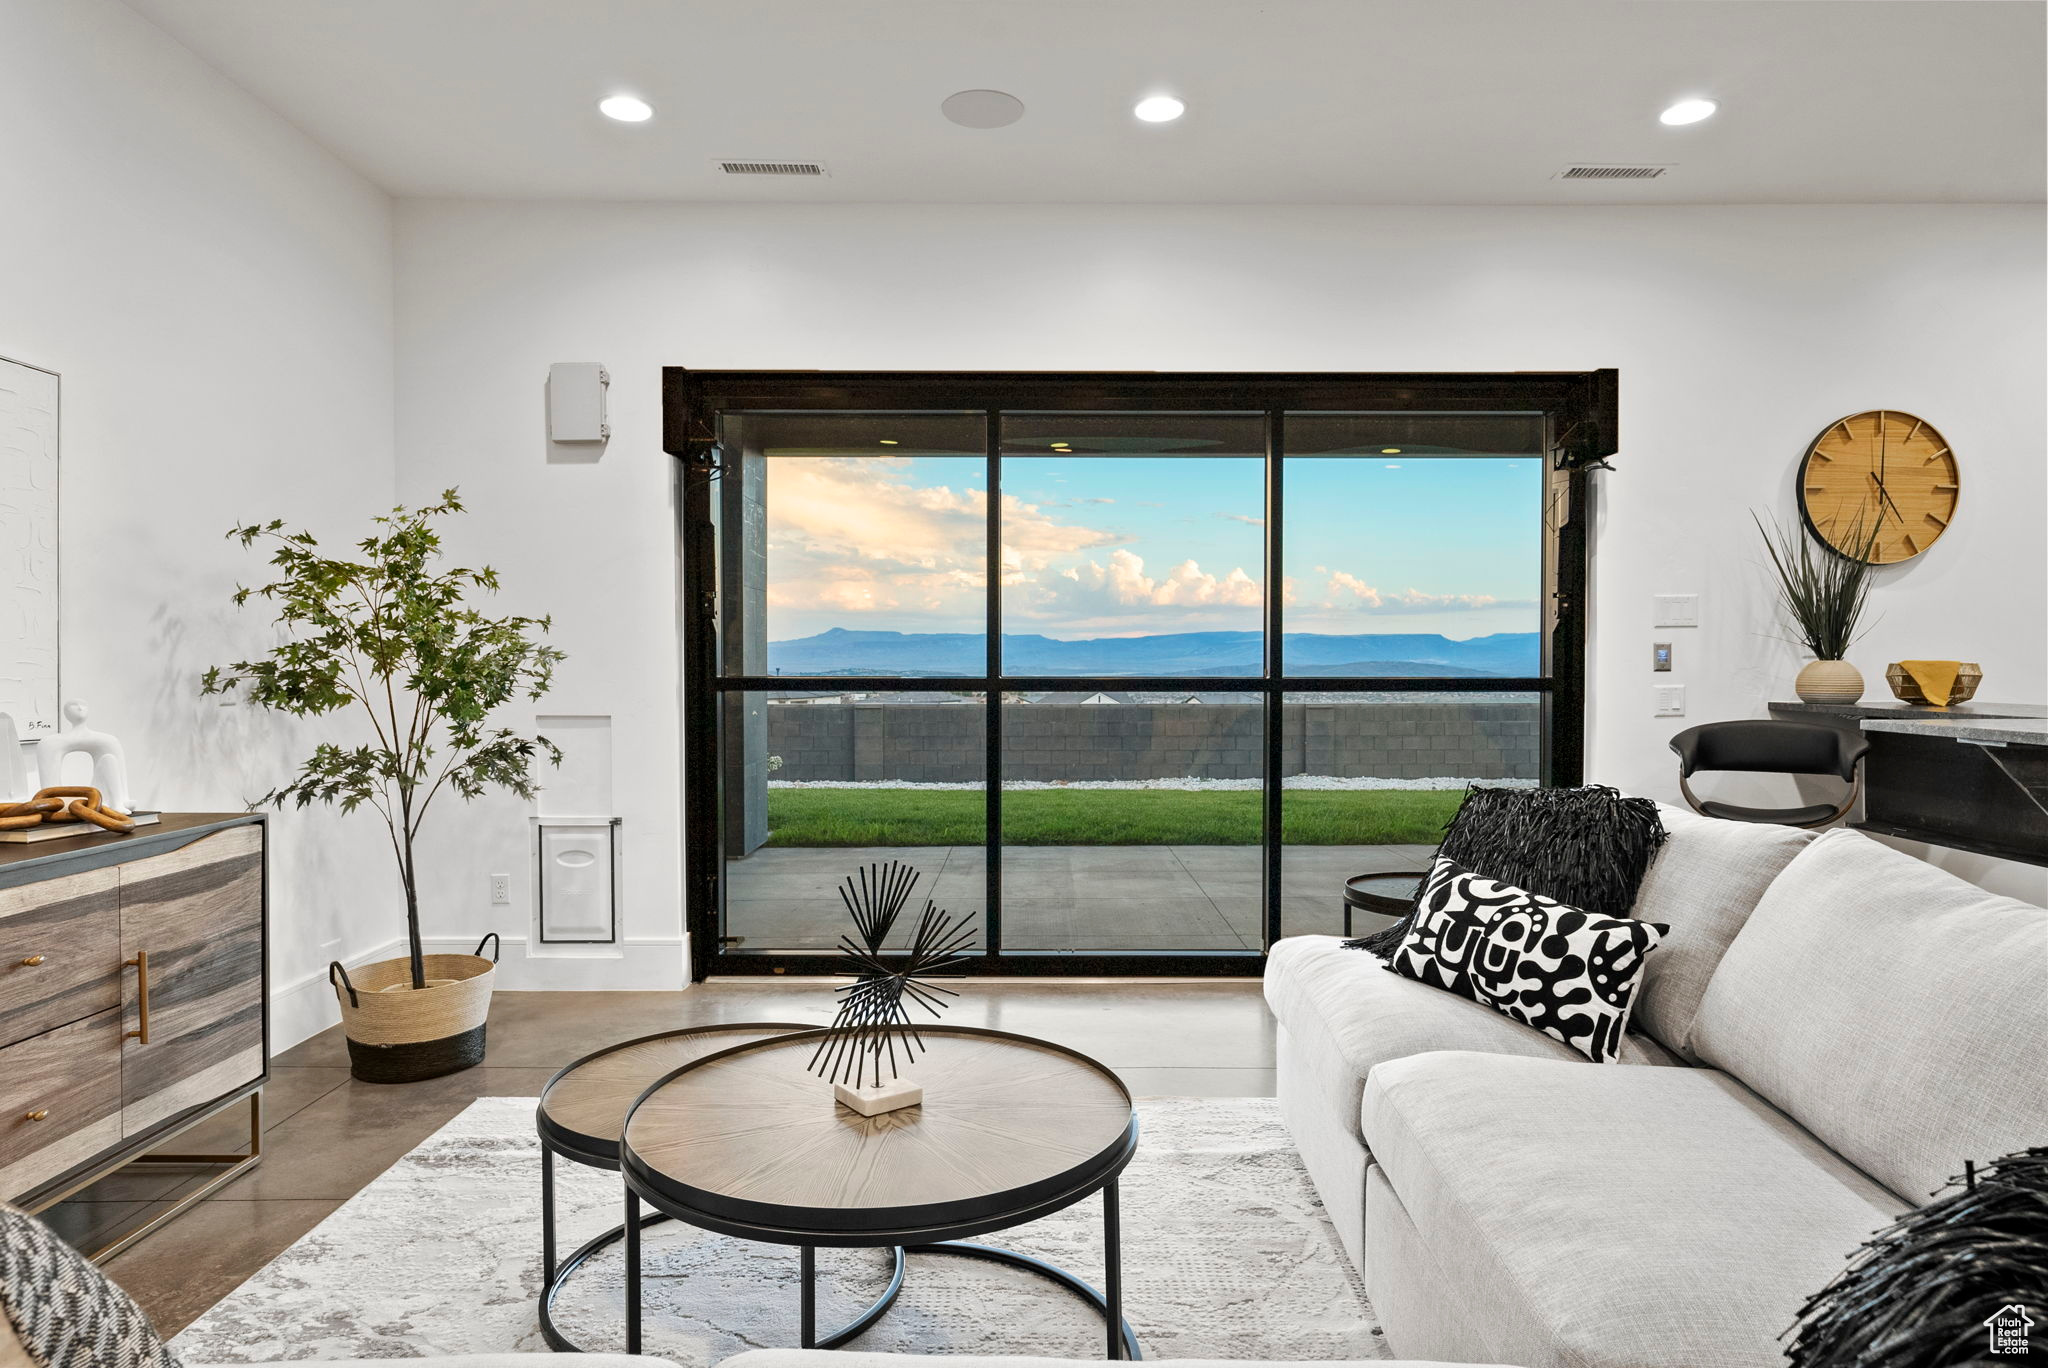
x=1907, y=689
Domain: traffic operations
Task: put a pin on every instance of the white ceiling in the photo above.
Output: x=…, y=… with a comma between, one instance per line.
x=1289, y=101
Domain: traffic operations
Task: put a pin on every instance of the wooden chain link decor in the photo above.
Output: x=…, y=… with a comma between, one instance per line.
x=73, y=803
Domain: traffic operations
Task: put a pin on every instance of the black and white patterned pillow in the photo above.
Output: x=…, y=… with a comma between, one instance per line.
x=67, y=1313
x=1570, y=974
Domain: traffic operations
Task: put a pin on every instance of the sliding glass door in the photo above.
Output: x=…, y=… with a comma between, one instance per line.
x=1133, y=682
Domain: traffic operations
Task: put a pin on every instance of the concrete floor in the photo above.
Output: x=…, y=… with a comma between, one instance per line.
x=327, y=1135
x=1064, y=897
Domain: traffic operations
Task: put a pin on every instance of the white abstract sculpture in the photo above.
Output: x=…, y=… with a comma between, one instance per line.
x=109, y=765
x=14, y=784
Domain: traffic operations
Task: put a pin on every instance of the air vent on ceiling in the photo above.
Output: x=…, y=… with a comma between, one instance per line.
x=1611, y=173
x=772, y=168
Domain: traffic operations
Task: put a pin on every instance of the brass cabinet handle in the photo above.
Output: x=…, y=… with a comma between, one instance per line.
x=141, y=964
x=39, y=1114
x=32, y=961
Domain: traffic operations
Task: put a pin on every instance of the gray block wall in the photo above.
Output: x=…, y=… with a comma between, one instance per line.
x=912, y=743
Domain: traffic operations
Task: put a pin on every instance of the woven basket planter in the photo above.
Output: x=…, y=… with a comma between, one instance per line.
x=399, y=1034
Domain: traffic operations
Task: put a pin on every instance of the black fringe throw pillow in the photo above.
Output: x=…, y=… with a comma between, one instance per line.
x=1588, y=847
x=1957, y=1281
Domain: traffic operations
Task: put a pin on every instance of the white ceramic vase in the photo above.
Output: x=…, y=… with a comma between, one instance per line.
x=1829, y=681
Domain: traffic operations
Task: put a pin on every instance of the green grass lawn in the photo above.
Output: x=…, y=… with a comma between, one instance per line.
x=1053, y=817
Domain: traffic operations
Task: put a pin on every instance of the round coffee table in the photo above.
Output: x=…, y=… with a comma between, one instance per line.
x=582, y=1113
x=747, y=1142
x=1391, y=893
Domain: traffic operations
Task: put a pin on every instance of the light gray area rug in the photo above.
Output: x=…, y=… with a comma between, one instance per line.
x=1227, y=1254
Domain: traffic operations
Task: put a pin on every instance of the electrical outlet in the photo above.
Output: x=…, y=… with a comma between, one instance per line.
x=1677, y=610
x=501, y=890
x=1670, y=700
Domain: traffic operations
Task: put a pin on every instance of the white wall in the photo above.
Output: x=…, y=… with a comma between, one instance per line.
x=1739, y=333
x=216, y=291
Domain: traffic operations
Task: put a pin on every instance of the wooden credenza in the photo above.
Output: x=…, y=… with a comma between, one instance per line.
x=134, y=993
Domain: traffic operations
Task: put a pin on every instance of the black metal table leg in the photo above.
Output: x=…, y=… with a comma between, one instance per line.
x=807, y=1335
x=1113, y=1271
x=632, y=1272
x=547, y=1215
x=1122, y=1337
x=568, y=1266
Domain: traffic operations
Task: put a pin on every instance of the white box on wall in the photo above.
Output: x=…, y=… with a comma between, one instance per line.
x=581, y=786
x=576, y=402
x=578, y=881
x=576, y=835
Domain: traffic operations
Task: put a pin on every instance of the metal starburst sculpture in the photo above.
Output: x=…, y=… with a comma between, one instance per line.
x=873, y=1016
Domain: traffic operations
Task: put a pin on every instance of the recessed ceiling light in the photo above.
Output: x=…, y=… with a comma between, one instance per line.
x=1159, y=109
x=1688, y=112
x=626, y=108
x=982, y=108
x=1390, y=451
x=889, y=441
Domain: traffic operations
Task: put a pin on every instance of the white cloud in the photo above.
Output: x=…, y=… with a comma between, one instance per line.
x=1118, y=595
x=1346, y=590
x=854, y=541
x=1243, y=518
x=849, y=536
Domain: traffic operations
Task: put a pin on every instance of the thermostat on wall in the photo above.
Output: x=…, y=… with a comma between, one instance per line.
x=576, y=412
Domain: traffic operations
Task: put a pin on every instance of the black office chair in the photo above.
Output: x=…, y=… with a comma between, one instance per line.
x=1772, y=748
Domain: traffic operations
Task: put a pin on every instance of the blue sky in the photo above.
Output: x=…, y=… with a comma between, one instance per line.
x=1126, y=546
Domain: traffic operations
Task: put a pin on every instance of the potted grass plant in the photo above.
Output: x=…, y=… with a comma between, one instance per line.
x=1822, y=593
x=394, y=634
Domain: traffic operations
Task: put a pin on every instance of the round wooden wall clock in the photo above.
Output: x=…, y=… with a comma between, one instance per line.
x=1881, y=474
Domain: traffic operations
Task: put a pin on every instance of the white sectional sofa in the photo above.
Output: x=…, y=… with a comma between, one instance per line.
x=462, y=1361
x=840, y=1358
x=1829, y=1031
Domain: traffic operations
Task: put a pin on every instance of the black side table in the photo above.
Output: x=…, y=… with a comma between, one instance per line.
x=582, y=1113
x=749, y=1143
x=1390, y=892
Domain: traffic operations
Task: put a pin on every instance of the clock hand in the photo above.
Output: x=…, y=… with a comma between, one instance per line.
x=1886, y=495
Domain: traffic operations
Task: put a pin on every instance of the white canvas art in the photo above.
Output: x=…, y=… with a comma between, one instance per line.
x=28, y=548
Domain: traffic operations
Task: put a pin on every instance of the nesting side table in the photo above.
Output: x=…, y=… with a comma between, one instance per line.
x=747, y=1142
x=1391, y=893
x=581, y=1116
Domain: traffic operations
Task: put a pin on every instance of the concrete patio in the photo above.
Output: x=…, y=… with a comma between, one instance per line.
x=1074, y=898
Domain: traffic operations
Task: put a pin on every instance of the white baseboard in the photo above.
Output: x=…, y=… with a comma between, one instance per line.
x=635, y=964
x=305, y=1007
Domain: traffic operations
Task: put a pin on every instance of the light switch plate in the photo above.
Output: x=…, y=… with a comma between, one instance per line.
x=1677, y=610
x=1670, y=699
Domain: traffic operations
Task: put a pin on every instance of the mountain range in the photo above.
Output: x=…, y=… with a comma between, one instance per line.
x=1225, y=654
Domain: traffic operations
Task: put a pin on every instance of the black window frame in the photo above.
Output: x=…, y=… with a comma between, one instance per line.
x=1580, y=410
